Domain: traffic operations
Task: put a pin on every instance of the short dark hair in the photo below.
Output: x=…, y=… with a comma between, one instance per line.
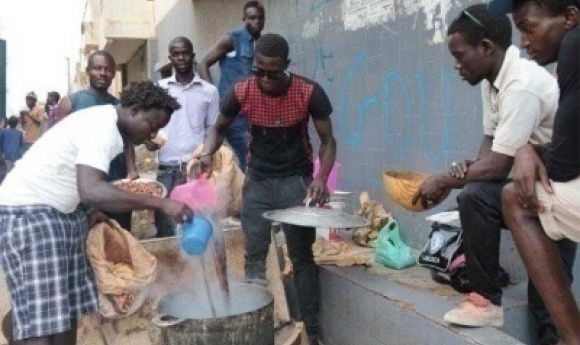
x=186, y=42
x=273, y=45
x=553, y=7
x=12, y=121
x=102, y=53
x=254, y=4
x=145, y=96
x=485, y=24
x=55, y=95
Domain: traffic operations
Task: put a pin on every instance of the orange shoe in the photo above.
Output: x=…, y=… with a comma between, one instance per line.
x=475, y=311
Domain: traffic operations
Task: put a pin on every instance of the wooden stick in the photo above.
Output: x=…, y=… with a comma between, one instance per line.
x=213, y=313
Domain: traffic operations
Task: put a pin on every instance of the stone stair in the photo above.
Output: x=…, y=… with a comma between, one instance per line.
x=379, y=306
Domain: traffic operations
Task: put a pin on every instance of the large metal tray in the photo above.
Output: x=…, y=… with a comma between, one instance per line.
x=317, y=217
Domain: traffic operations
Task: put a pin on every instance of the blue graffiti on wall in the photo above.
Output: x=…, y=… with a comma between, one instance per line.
x=293, y=46
x=322, y=60
x=317, y=5
x=400, y=101
x=383, y=100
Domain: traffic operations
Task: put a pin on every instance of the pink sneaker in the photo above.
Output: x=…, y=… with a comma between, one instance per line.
x=475, y=311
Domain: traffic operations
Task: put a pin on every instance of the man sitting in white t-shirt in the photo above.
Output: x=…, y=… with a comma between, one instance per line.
x=43, y=227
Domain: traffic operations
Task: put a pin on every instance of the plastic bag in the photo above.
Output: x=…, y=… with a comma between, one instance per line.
x=390, y=250
x=227, y=178
x=199, y=195
x=122, y=268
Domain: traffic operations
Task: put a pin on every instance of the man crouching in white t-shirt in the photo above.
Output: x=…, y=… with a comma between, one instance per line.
x=43, y=227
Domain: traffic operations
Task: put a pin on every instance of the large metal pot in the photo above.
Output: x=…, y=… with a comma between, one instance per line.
x=250, y=323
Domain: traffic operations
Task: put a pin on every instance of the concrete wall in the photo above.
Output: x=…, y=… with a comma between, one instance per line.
x=384, y=63
x=213, y=19
x=173, y=19
x=2, y=78
x=97, y=13
x=398, y=102
x=202, y=21
x=127, y=18
x=152, y=58
x=137, y=66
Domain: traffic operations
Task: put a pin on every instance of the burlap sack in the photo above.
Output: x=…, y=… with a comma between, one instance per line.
x=227, y=177
x=122, y=268
x=374, y=212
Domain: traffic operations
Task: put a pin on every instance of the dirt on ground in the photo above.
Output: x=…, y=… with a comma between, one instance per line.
x=416, y=277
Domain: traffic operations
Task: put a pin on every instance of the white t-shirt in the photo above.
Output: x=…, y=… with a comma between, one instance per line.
x=47, y=175
x=520, y=106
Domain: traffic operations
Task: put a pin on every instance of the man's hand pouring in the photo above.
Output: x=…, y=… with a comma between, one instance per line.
x=177, y=211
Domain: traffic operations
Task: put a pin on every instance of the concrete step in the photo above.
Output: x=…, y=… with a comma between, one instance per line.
x=378, y=306
x=511, y=261
x=415, y=231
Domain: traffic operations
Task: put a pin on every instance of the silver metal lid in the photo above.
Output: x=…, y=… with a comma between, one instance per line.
x=316, y=217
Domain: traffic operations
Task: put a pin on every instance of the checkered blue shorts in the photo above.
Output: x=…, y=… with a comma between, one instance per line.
x=48, y=275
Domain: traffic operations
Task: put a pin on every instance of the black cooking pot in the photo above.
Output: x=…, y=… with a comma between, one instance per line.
x=251, y=321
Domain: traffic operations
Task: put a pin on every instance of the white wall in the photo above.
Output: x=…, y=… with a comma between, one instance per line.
x=137, y=66
x=202, y=21
x=173, y=18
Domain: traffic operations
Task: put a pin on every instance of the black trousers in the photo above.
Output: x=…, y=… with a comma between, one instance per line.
x=481, y=216
x=264, y=195
x=170, y=177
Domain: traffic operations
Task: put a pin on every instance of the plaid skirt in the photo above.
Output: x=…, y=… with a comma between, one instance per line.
x=48, y=275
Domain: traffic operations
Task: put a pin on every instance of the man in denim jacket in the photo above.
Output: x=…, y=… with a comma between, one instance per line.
x=235, y=53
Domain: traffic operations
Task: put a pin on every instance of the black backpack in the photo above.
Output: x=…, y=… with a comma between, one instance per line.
x=444, y=256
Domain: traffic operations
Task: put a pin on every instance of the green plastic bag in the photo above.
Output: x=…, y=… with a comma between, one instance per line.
x=391, y=251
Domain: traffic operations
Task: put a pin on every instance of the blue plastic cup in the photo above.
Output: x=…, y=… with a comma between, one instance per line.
x=195, y=235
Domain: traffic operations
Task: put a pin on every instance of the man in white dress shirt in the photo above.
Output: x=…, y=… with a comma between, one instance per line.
x=188, y=126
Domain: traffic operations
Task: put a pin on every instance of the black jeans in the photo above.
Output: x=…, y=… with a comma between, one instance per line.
x=169, y=177
x=264, y=195
x=482, y=220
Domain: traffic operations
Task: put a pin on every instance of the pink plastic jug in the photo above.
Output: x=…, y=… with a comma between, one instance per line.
x=199, y=195
x=332, y=177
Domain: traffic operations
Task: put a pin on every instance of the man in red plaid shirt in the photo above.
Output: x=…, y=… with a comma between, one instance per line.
x=279, y=105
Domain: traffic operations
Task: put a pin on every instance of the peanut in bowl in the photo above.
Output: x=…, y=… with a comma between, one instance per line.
x=142, y=186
